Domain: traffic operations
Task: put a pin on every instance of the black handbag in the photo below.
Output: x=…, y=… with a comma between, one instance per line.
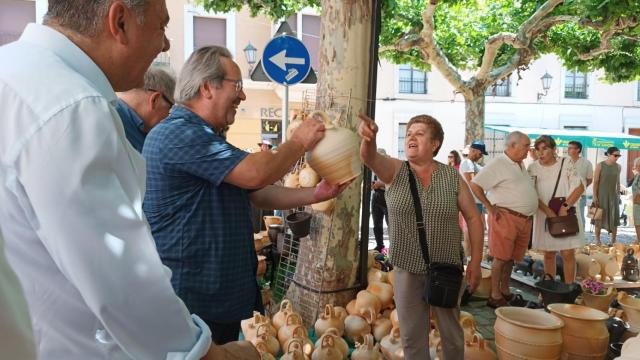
x=561, y=226
x=445, y=280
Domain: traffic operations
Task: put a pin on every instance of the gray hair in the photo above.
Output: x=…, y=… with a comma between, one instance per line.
x=160, y=78
x=636, y=161
x=513, y=138
x=86, y=16
x=203, y=66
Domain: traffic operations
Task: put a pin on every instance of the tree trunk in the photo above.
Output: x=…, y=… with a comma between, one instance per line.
x=474, y=116
x=327, y=266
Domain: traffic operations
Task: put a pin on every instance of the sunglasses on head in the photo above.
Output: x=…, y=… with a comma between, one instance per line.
x=616, y=155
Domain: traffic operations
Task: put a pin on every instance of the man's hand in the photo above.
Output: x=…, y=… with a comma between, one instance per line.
x=493, y=210
x=472, y=274
x=309, y=133
x=325, y=191
x=367, y=128
x=377, y=185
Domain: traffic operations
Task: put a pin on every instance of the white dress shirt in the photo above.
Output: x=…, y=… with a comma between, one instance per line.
x=508, y=185
x=71, y=190
x=16, y=336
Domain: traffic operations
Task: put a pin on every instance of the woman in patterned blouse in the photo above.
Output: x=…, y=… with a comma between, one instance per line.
x=443, y=194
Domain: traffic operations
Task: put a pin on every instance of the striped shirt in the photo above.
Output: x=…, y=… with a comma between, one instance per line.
x=439, y=204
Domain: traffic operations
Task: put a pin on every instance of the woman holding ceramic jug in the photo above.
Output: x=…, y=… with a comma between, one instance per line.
x=443, y=193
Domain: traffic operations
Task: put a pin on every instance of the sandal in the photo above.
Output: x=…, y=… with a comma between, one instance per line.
x=496, y=303
x=508, y=297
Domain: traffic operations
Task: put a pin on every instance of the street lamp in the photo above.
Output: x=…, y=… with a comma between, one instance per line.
x=250, y=55
x=546, y=84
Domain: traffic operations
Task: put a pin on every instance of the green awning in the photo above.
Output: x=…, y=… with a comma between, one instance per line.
x=588, y=138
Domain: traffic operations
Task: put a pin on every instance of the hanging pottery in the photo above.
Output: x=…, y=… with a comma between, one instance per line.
x=292, y=180
x=307, y=177
x=336, y=158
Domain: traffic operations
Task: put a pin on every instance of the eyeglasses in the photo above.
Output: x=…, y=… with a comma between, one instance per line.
x=237, y=82
x=164, y=97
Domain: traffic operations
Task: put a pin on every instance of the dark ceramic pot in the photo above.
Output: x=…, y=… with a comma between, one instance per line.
x=299, y=223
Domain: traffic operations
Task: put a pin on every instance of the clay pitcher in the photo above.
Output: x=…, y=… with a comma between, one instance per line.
x=521, y=332
x=588, y=267
x=285, y=332
x=367, y=350
x=608, y=265
x=263, y=335
x=391, y=346
x=476, y=349
x=328, y=320
x=327, y=349
x=356, y=326
x=599, y=302
x=280, y=317
x=631, y=306
x=384, y=292
x=293, y=351
x=340, y=343
x=585, y=334
x=336, y=158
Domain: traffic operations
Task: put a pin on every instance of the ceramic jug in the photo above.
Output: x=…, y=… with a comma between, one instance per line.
x=280, y=317
x=367, y=350
x=327, y=349
x=328, y=320
x=340, y=343
x=336, y=158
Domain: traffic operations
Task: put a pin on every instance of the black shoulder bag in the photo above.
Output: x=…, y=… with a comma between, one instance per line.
x=445, y=280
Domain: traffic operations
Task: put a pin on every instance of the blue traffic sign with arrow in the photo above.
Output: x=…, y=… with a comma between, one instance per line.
x=286, y=60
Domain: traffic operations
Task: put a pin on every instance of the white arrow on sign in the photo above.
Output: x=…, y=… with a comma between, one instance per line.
x=280, y=59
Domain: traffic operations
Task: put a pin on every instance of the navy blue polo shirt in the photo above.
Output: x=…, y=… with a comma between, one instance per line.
x=201, y=225
x=133, y=125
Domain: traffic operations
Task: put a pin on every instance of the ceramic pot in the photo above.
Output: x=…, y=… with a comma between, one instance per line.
x=340, y=312
x=608, y=265
x=263, y=335
x=272, y=220
x=327, y=349
x=281, y=316
x=308, y=177
x=356, y=327
x=351, y=308
x=292, y=180
x=521, y=332
x=476, y=349
x=250, y=326
x=588, y=267
x=484, y=288
x=292, y=321
x=299, y=223
x=263, y=351
x=300, y=333
x=381, y=328
x=394, y=318
x=367, y=350
x=384, y=293
x=293, y=351
x=390, y=277
x=376, y=275
x=366, y=300
x=391, y=346
x=585, y=334
x=599, y=302
x=630, y=349
x=631, y=306
x=468, y=324
x=340, y=343
x=262, y=266
x=336, y=158
x=328, y=320
x=326, y=206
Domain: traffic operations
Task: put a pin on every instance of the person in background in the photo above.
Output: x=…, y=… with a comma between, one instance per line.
x=71, y=189
x=443, y=194
x=200, y=188
x=453, y=159
x=265, y=145
x=141, y=109
x=606, y=193
x=571, y=185
x=470, y=167
x=584, y=169
x=635, y=192
x=379, y=211
x=510, y=200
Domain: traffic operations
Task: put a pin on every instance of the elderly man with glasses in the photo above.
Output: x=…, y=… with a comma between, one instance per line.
x=200, y=188
x=141, y=109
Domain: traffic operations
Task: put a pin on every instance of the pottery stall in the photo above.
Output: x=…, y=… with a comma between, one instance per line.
x=585, y=334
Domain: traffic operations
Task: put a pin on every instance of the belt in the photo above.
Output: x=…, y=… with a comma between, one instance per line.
x=515, y=213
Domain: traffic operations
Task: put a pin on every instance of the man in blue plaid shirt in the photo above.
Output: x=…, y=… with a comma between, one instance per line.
x=199, y=189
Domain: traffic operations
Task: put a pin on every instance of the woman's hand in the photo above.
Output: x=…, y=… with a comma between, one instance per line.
x=368, y=129
x=472, y=275
x=563, y=211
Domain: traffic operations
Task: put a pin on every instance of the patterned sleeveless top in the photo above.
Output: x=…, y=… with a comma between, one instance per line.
x=440, y=212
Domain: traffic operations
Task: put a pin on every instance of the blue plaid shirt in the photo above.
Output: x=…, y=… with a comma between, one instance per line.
x=201, y=225
x=133, y=125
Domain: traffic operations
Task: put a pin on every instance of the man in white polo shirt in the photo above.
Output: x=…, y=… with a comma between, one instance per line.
x=511, y=200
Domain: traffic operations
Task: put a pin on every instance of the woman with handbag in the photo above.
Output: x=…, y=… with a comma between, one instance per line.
x=424, y=198
x=559, y=187
x=606, y=193
x=635, y=191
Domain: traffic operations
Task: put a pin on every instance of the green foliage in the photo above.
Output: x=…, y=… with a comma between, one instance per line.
x=463, y=26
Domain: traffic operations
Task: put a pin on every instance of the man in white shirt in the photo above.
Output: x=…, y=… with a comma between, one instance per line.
x=584, y=169
x=16, y=335
x=469, y=167
x=71, y=188
x=511, y=200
